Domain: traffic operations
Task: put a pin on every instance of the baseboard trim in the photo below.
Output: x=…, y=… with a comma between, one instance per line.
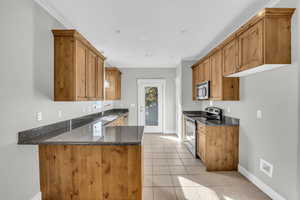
x=260, y=184
x=169, y=132
x=38, y=196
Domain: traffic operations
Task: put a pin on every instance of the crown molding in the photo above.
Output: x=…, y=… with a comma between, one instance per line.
x=55, y=13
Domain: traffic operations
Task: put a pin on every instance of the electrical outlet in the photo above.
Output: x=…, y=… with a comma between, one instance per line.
x=259, y=114
x=132, y=105
x=59, y=113
x=39, y=116
x=83, y=110
x=266, y=167
x=228, y=110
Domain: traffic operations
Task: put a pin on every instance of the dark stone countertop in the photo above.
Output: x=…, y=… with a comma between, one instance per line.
x=87, y=130
x=199, y=116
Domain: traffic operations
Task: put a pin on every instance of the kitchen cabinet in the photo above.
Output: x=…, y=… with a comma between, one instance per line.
x=91, y=75
x=194, y=81
x=262, y=43
x=251, y=47
x=221, y=88
x=231, y=57
x=205, y=71
x=78, y=68
x=113, y=77
x=218, y=147
x=216, y=76
x=201, y=144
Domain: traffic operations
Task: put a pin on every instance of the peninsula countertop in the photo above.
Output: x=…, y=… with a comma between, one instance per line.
x=88, y=130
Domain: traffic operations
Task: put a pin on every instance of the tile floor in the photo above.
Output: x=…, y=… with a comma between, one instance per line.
x=171, y=173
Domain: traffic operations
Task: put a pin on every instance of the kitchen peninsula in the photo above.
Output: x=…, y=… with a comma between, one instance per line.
x=88, y=159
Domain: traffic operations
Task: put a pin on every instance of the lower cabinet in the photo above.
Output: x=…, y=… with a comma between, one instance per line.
x=218, y=147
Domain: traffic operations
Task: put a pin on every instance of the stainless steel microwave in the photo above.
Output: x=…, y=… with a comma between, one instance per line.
x=203, y=90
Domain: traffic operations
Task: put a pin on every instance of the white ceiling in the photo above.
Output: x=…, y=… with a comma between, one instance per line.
x=155, y=33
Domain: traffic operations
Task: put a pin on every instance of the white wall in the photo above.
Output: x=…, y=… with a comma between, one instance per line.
x=275, y=137
x=129, y=93
x=26, y=86
x=187, y=90
x=298, y=33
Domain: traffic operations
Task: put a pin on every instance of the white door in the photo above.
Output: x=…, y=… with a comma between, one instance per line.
x=150, y=108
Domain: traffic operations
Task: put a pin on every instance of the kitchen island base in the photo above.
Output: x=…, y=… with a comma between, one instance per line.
x=91, y=172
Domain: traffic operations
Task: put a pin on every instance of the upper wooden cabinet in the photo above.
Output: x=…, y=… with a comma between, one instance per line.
x=222, y=88
x=216, y=76
x=263, y=43
x=230, y=57
x=113, y=77
x=205, y=71
x=251, y=47
x=78, y=68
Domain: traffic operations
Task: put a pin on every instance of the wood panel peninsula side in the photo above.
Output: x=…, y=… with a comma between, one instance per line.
x=93, y=161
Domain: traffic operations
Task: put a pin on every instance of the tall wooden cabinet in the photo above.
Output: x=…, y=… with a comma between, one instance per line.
x=78, y=68
x=113, y=77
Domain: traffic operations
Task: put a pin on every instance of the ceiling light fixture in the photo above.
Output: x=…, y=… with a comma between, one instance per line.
x=183, y=31
x=148, y=54
x=143, y=38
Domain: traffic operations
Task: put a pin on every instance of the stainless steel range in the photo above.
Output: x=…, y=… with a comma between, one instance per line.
x=190, y=127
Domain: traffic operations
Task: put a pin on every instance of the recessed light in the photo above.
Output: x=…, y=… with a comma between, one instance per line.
x=143, y=38
x=148, y=54
x=183, y=31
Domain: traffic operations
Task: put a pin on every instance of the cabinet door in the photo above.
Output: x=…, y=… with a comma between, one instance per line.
x=200, y=71
x=202, y=146
x=81, y=61
x=110, y=91
x=206, y=70
x=194, y=81
x=118, y=92
x=230, y=57
x=100, y=78
x=251, y=47
x=91, y=74
x=216, y=75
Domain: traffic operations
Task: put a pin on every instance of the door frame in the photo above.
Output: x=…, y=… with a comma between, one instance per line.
x=160, y=82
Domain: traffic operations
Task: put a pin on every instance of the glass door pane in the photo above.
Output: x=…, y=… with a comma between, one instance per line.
x=151, y=106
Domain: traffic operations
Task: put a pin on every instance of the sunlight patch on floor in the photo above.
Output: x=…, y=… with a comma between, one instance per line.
x=173, y=138
x=227, y=198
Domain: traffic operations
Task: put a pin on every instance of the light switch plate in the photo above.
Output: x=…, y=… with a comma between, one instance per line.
x=228, y=110
x=259, y=114
x=59, y=113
